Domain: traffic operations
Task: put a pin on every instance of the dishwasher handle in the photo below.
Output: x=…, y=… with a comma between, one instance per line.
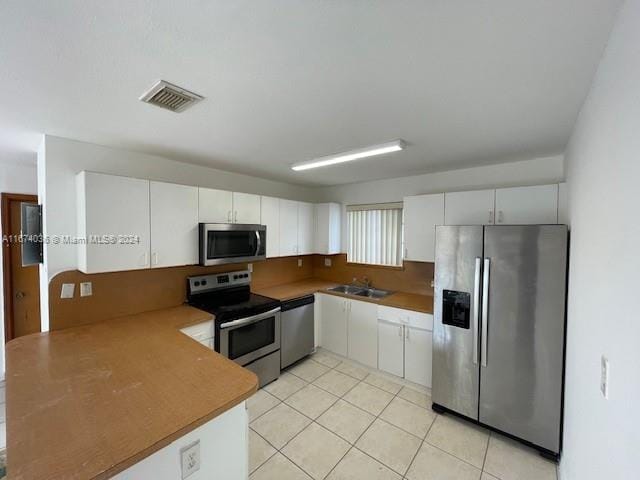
x=297, y=302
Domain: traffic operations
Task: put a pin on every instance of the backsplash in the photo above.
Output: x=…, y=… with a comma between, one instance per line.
x=126, y=293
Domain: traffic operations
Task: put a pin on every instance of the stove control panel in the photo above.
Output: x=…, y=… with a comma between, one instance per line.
x=215, y=281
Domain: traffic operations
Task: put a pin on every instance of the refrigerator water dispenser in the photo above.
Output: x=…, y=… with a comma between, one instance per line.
x=456, y=308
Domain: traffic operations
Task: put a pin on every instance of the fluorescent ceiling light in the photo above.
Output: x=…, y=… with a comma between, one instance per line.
x=372, y=151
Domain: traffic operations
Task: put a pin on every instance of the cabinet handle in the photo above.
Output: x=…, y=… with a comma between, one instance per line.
x=143, y=261
x=500, y=216
x=400, y=331
x=406, y=334
x=406, y=252
x=229, y=216
x=235, y=216
x=490, y=216
x=155, y=258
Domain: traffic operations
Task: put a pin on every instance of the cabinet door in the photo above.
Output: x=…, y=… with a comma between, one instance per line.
x=288, y=228
x=421, y=215
x=215, y=206
x=306, y=223
x=270, y=216
x=469, y=208
x=363, y=333
x=391, y=348
x=115, y=207
x=333, y=329
x=246, y=208
x=174, y=224
x=525, y=205
x=417, y=355
x=327, y=235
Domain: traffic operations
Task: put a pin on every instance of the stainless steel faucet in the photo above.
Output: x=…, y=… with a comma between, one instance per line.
x=365, y=281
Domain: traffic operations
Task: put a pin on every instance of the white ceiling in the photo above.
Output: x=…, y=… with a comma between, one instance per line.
x=463, y=82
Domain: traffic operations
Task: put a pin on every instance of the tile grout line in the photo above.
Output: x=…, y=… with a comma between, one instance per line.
x=351, y=445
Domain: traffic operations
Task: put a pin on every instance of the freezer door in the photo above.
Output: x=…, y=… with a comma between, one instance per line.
x=455, y=330
x=523, y=332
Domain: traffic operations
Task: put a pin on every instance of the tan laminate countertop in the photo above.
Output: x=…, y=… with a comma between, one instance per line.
x=288, y=291
x=88, y=402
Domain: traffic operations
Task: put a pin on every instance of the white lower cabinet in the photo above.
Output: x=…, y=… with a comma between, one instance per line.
x=391, y=348
x=393, y=340
x=362, y=333
x=417, y=355
x=333, y=329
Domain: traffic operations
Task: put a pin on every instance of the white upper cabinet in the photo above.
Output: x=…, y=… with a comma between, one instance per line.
x=563, y=204
x=306, y=228
x=288, y=228
x=469, y=208
x=328, y=225
x=421, y=215
x=115, y=211
x=270, y=216
x=527, y=205
x=174, y=224
x=215, y=206
x=246, y=208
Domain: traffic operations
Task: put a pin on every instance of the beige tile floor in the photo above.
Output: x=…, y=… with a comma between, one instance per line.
x=329, y=418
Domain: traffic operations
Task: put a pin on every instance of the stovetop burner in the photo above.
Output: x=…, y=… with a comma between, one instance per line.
x=228, y=296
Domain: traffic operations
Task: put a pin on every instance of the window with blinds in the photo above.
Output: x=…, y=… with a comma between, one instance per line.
x=375, y=234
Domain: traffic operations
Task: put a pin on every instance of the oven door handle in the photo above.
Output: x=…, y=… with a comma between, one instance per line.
x=259, y=243
x=249, y=320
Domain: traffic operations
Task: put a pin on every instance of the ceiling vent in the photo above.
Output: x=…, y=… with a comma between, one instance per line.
x=164, y=94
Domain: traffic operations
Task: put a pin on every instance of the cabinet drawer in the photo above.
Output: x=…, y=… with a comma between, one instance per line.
x=200, y=332
x=406, y=317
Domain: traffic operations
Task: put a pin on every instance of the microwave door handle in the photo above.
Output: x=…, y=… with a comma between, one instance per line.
x=259, y=243
x=249, y=320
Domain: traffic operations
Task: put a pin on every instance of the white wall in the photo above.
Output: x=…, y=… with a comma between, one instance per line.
x=14, y=178
x=536, y=171
x=62, y=159
x=602, y=437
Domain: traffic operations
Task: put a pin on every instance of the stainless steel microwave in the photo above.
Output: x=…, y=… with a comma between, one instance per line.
x=231, y=243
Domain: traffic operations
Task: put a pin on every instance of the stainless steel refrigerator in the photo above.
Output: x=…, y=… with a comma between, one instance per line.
x=499, y=326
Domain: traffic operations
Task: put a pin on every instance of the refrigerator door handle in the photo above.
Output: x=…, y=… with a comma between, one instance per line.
x=485, y=310
x=476, y=308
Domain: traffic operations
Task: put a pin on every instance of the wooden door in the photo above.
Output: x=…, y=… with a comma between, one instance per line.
x=21, y=284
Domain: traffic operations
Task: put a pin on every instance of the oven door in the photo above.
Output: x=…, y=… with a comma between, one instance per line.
x=231, y=243
x=247, y=339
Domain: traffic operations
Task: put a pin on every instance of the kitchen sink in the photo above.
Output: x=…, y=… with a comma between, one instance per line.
x=348, y=289
x=361, y=291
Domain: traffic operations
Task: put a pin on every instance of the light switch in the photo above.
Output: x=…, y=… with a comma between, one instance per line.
x=299, y=262
x=250, y=267
x=327, y=262
x=190, y=459
x=86, y=289
x=67, y=290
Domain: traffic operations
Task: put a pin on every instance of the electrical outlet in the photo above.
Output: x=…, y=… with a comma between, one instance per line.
x=299, y=262
x=67, y=290
x=604, y=376
x=250, y=267
x=190, y=458
x=327, y=262
x=86, y=289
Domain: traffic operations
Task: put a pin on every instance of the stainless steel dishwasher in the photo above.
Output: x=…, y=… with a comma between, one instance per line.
x=296, y=328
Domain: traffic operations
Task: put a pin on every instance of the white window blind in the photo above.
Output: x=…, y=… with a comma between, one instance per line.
x=375, y=234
